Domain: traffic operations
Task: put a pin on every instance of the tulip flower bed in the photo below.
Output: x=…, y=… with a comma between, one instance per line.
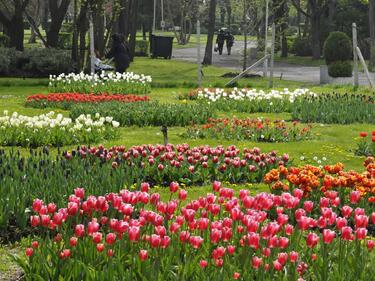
x=222, y=236
x=100, y=170
x=366, y=144
x=314, y=182
x=48, y=129
x=66, y=100
x=257, y=130
x=250, y=101
x=148, y=113
x=335, y=109
x=116, y=83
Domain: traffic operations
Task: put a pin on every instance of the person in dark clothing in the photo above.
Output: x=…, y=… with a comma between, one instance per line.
x=229, y=38
x=220, y=41
x=119, y=52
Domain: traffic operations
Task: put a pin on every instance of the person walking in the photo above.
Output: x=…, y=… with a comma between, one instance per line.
x=220, y=41
x=229, y=38
x=119, y=52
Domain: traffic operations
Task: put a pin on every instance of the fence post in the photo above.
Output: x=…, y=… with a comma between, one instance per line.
x=272, y=54
x=355, y=55
x=199, y=62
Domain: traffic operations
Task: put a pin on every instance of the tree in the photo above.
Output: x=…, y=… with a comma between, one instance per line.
x=372, y=32
x=211, y=30
x=57, y=13
x=314, y=11
x=11, y=16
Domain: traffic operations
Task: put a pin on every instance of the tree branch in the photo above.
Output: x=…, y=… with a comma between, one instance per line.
x=299, y=8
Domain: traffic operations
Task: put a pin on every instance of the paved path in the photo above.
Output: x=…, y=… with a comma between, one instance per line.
x=310, y=74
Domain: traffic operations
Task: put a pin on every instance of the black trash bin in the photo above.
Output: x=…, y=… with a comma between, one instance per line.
x=161, y=46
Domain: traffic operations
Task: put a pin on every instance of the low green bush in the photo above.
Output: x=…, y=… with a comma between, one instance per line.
x=301, y=47
x=147, y=113
x=340, y=69
x=337, y=47
x=34, y=62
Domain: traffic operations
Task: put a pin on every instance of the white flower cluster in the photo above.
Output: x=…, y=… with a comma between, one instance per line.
x=214, y=95
x=99, y=79
x=50, y=121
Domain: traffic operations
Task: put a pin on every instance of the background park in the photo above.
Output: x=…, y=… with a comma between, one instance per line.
x=187, y=164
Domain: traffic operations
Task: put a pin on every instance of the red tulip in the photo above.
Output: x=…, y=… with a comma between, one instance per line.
x=110, y=252
x=293, y=256
x=100, y=247
x=97, y=237
x=363, y=134
x=203, y=263
x=73, y=241
x=134, y=233
x=355, y=196
x=312, y=240
x=347, y=233
x=35, y=220
x=182, y=194
x=346, y=211
x=361, y=233
x=143, y=255
x=256, y=262
x=110, y=238
x=277, y=265
x=37, y=205
x=79, y=192
x=328, y=236
x=236, y=276
x=51, y=207
x=29, y=252
x=79, y=230
x=173, y=187
x=145, y=187
x=35, y=244
x=216, y=186
x=64, y=254
x=370, y=245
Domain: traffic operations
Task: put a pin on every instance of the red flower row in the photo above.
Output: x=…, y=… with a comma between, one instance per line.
x=81, y=98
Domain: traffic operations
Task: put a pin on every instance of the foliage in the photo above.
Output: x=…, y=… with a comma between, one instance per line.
x=148, y=113
x=141, y=48
x=65, y=40
x=337, y=47
x=340, y=69
x=66, y=100
x=366, y=144
x=4, y=41
x=335, y=109
x=34, y=62
x=136, y=236
x=256, y=130
x=113, y=83
x=48, y=129
x=301, y=47
x=25, y=177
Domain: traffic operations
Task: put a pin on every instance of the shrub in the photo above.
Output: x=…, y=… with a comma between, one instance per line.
x=337, y=47
x=8, y=60
x=44, y=62
x=141, y=48
x=340, y=69
x=147, y=113
x=301, y=47
x=4, y=40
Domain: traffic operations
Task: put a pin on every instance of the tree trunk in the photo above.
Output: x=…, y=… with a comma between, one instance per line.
x=315, y=34
x=210, y=36
x=58, y=13
x=331, y=14
x=75, y=36
x=228, y=6
x=284, y=28
x=15, y=32
x=99, y=29
x=133, y=27
x=372, y=32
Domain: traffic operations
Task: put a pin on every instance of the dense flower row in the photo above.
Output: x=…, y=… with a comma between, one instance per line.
x=55, y=130
x=366, y=144
x=148, y=113
x=220, y=236
x=334, y=108
x=213, y=95
x=118, y=83
x=314, y=180
x=250, y=101
x=257, y=130
x=23, y=176
x=65, y=100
